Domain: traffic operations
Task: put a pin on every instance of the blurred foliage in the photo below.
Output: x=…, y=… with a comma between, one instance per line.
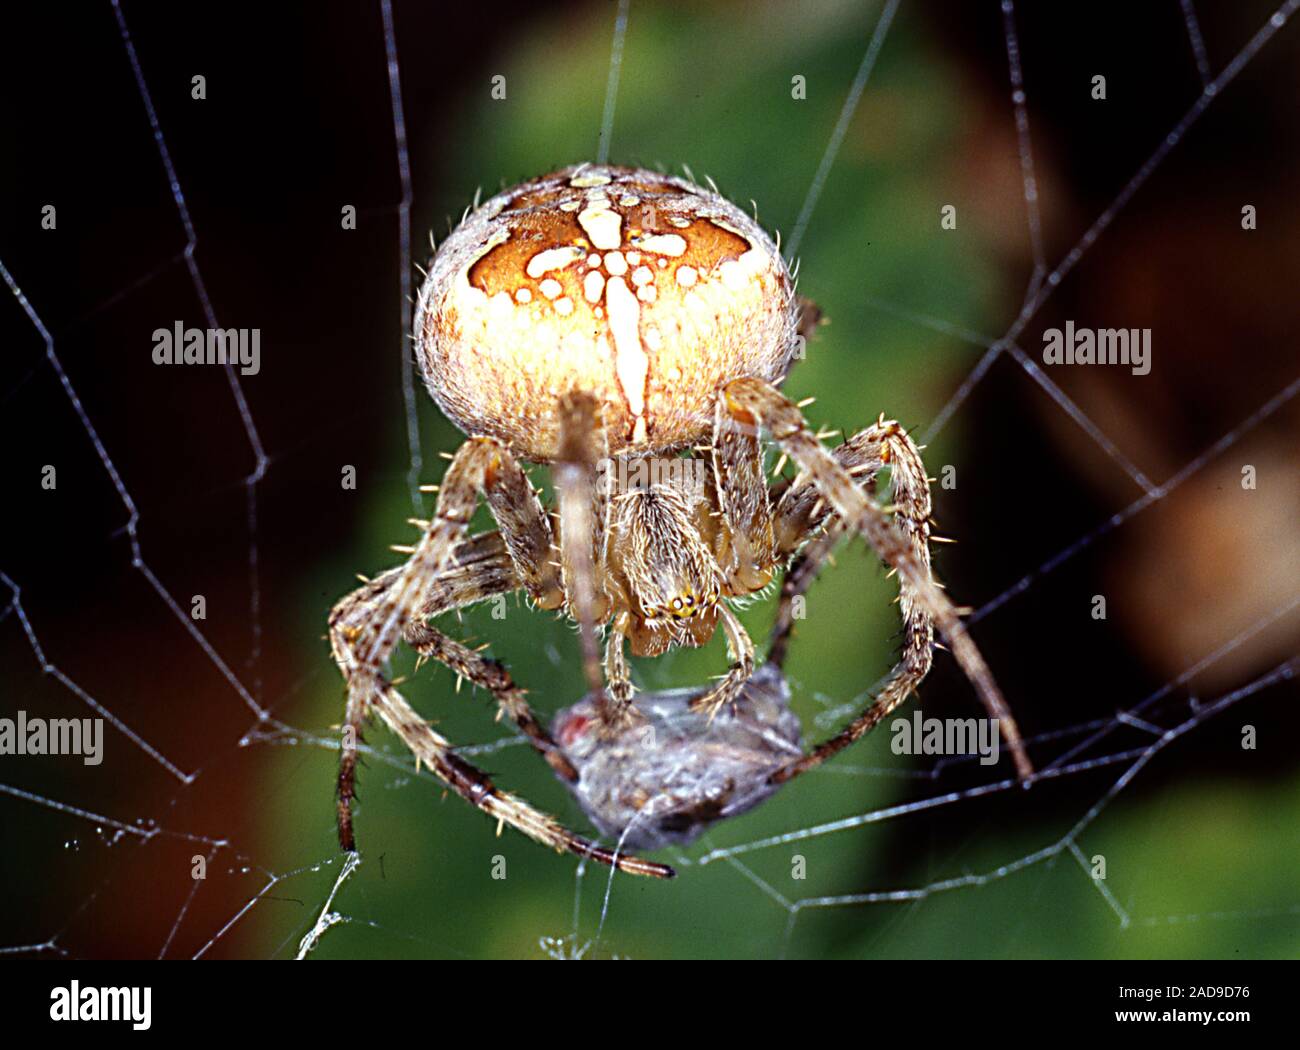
x=710, y=86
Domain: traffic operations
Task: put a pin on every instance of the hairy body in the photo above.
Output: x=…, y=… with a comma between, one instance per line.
x=649, y=407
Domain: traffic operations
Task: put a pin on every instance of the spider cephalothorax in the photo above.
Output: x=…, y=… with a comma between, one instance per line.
x=629, y=329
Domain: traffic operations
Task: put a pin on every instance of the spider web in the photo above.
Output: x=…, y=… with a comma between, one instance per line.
x=191, y=720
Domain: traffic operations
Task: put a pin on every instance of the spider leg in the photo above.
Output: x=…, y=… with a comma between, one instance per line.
x=755, y=403
x=746, y=545
x=801, y=512
x=798, y=578
x=473, y=785
x=365, y=627
x=526, y=534
x=621, y=689
x=741, y=650
x=582, y=491
x=487, y=578
x=350, y=625
x=801, y=509
x=481, y=568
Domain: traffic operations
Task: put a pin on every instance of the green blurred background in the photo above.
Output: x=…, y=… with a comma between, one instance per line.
x=1201, y=848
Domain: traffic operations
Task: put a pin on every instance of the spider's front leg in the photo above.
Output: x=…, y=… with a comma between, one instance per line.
x=582, y=492
x=473, y=785
x=482, y=569
x=741, y=650
x=753, y=403
x=618, y=674
x=745, y=544
x=801, y=512
x=365, y=628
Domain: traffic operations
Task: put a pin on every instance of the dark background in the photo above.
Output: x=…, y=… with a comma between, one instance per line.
x=297, y=122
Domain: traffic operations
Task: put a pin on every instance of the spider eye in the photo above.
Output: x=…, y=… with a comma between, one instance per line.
x=685, y=607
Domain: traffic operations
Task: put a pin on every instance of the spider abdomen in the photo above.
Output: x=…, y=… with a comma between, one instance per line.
x=639, y=288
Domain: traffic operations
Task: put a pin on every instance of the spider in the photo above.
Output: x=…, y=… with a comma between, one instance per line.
x=629, y=329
